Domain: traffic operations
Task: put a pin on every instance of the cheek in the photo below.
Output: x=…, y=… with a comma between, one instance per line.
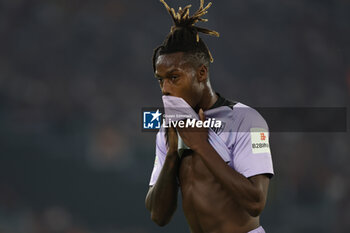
x=188, y=89
x=192, y=94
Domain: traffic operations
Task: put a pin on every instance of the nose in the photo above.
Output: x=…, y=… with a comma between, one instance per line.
x=166, y=87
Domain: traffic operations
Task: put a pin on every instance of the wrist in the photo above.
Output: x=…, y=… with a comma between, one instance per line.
x=202, y=147
x=172, y=159
x=172, y=153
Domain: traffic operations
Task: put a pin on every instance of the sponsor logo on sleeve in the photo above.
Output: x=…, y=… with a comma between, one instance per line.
x=260, y=140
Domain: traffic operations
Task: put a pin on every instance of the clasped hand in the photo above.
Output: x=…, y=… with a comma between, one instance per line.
x=194, y=137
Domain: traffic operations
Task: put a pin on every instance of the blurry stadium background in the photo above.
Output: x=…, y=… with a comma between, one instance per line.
x=74, y=76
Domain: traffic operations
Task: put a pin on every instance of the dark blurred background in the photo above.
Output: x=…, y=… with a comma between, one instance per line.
x=74, y=76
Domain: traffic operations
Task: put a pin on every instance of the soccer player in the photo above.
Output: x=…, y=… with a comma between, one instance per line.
x=219, y=194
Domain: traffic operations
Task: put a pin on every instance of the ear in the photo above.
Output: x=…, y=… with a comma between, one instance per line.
x=202, y=73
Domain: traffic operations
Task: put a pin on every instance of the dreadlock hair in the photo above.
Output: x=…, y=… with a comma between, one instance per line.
x=183, y=36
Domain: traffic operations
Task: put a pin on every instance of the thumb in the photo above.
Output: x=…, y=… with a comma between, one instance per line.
x=201, y=115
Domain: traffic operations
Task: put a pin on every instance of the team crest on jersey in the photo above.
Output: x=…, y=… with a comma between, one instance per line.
x=218, y=130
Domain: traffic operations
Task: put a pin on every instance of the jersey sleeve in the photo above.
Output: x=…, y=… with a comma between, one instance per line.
x=159, y=157
x=251, y=152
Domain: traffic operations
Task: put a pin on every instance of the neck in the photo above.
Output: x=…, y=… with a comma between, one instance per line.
x=208, y=99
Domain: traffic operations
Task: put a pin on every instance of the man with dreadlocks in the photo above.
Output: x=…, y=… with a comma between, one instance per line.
x=223, y=182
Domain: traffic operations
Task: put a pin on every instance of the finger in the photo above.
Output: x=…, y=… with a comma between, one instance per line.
x=171, y=129
x=201, y=115
x=172, y=137
x=180, y=130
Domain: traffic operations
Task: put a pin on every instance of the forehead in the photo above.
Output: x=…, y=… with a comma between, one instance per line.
x=171, y=60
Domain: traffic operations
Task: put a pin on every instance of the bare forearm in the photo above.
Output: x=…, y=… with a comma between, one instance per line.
x=242, y=189
x=161, y=199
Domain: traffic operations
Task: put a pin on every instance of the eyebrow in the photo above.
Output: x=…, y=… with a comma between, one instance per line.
x=169, y=72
